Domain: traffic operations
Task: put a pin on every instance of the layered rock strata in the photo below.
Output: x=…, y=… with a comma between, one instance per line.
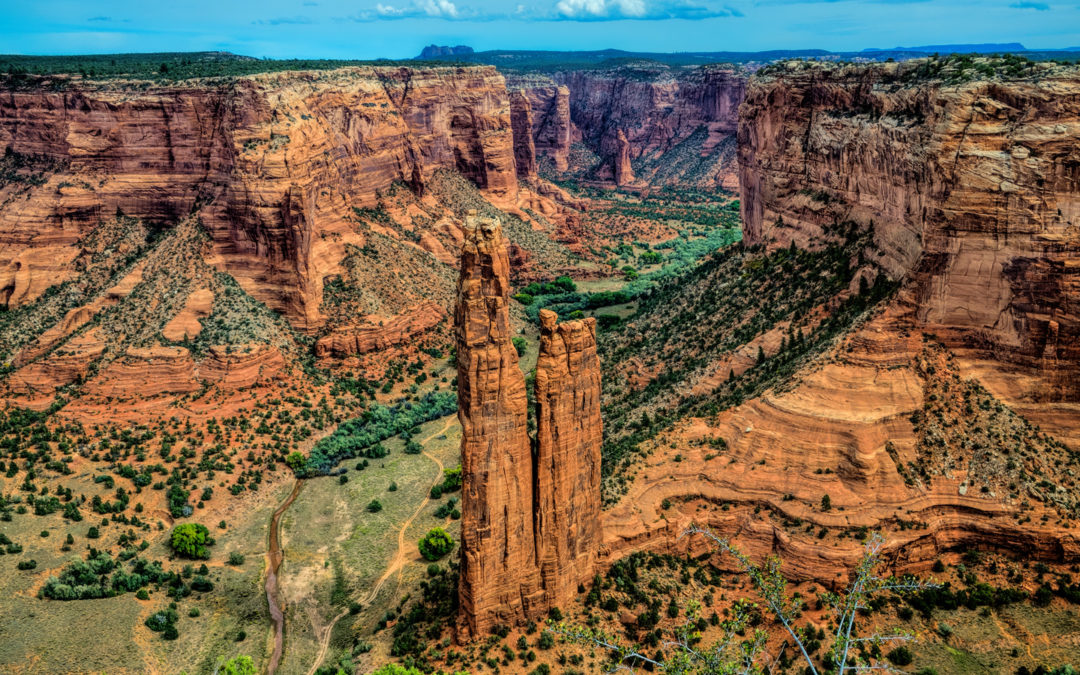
x=655, y=109
x=370, y=337
x=552, y=129
x=274, y=164
x=973, y=190
x=530, y=521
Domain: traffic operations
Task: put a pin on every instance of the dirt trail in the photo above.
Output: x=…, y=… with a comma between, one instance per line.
x=400, y=558
x=274, y=556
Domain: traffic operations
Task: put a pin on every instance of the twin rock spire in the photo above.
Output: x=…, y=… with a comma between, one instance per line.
x=530, y=527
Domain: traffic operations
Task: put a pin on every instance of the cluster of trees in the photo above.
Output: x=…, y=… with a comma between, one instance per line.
x=100, y=576
x=355, y=437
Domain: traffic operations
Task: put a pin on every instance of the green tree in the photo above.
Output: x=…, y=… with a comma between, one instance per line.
x=296, y=461
x=190, y=540
x=436, y=544
x=240, y=665
x=520, y=344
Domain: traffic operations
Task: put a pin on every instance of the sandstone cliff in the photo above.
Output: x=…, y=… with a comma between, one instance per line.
x=498, y=557
x=552, y=129
x=274, y=163
x=530, y=523
x=679, y=127
x=972, y=189
x=521, y=120
x=569, y=437
x=622, y=172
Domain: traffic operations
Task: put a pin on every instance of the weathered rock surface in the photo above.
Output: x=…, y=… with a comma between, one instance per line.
x=688, y=118
x=499, y=579
x=624, y=173
x=845, y=430
x=973, y=190
x=552, y=129
x=399, y=329
x=186, y=325
x=569, y=437
x=530, y=523
x=276, y=161
x=521, y=121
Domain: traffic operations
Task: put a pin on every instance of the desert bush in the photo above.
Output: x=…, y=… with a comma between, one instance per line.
x=435, y=544
x=190, y=540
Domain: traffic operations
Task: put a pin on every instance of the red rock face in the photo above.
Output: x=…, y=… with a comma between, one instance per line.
x=972, y=190
x=624, y=173
x=498, y=557
x=521, y=120
x=362, y=339
x=656, y=111
x=276, y=162
x=552, y=128
x=569, y=438
x=530, y=524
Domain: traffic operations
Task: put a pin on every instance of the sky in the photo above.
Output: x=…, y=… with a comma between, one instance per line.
x=366, y=29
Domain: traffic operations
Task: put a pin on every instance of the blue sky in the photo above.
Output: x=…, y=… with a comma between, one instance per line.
x=400, y=28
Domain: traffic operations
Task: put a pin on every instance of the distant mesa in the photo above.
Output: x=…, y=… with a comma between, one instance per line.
x=440, y=51
x=982, y=48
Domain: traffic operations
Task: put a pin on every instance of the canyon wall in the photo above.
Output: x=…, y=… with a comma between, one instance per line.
x=693, y=113
x=521, y=121
x=530, y=523
x=552, y=129
x=273, y=164
x=973, y=190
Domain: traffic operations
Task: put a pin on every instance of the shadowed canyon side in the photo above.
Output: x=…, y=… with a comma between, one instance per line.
x=973, y=190
x=521, y=120
x=678, y=127
x=530, y=525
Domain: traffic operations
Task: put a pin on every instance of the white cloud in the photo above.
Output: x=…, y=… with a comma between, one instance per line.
x=442, y=8
x=561, y=10
x=608, y=10
x=599, y=9
x=439, y=9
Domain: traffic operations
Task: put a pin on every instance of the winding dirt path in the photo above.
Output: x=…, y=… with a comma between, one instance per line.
x=274, y=556
x=400, y=558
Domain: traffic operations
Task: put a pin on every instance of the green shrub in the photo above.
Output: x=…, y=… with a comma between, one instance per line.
x=362, y=436
x=190, y=540
x=901, y=656
x=436, y=544
x=521, y=345
x=240, y=665
x=374, y=506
